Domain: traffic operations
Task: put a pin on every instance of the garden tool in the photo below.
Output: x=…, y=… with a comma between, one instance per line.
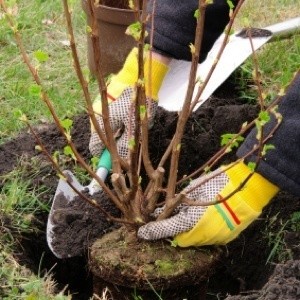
x=65, y=192
x=237, y=50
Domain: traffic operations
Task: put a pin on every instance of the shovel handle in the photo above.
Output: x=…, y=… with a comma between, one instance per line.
x=284, y=29
x=105, y=160
x=104, y=165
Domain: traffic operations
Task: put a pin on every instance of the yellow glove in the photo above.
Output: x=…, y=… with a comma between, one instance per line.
x=220, y=223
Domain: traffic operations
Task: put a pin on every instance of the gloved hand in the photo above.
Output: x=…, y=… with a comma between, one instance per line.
x=121, y=92
x=219, y=223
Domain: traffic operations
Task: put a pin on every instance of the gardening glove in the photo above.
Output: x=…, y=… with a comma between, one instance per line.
x=218, y=223
x=121, y=94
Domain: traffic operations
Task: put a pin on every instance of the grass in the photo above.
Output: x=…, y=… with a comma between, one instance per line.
x=275, y=232
x=18, y=206
x=42, y=26
x=276, y=64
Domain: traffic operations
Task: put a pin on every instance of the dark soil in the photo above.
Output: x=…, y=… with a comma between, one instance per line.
x=77, y=224
x=243, y=266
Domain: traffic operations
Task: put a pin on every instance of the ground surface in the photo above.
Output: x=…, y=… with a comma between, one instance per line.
x=243, y=266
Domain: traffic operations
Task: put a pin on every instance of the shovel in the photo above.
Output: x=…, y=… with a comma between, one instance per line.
x=238, y=49
x=64, y=193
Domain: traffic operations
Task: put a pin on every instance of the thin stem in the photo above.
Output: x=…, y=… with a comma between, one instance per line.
x=111, y=143
x=186, y=106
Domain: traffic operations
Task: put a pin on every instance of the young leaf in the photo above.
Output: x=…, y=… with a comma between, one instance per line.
x=94, y=161
x=89, y=29
x=231, y=138
x=266, y=148
x=69, y=152
x=41, y=56
x=192, y=47
x=135, y=30
x=264, y=117
x=67, y=124
x=173, y=243
x=23, y=118
x=251, y=166
x=230, y=4
x=196, y=14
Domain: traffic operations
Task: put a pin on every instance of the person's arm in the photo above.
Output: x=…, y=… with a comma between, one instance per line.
x=174, y=26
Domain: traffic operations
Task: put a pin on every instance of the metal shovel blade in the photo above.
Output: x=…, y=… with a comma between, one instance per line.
x=60, y=217
x=237, y=50
x=64, y=193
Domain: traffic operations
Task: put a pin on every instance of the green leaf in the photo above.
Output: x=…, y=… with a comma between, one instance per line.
x=231, y=138
x=41, y=56
x=67, y=124
x=196, y=14
x=251, y=166
x=94, y=161
x=69, y=152
x=135, y=30
x=192, y=48
x=230, y=4
x=173, y=243
x=266, y=148
x=264, y=117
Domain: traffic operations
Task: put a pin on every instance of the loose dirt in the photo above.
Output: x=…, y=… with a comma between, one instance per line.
x=243, y=266
x=77, y=224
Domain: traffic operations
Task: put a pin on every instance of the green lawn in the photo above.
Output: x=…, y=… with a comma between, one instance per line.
x=42, y=26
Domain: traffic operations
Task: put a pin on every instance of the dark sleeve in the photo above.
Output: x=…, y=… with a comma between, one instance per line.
x=281, y=166
x=175, y=26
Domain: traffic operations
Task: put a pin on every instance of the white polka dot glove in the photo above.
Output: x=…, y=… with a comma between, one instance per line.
x=219, y=223
x=121, y=93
